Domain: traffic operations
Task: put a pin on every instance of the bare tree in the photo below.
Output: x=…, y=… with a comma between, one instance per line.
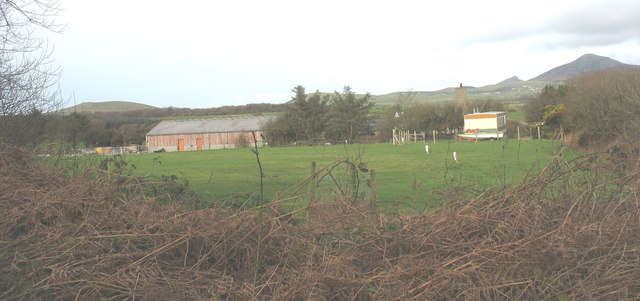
x=405, y=109
x=27, y=76
x=604, y=106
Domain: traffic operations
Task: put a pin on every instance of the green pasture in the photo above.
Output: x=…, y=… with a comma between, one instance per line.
x=405, y=173
x=518, y=116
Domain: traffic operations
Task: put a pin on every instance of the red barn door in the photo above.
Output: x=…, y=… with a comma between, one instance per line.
x=199, y=144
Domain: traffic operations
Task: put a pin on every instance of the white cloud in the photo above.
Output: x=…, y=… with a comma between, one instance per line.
x=211, y=53
x=583, y=24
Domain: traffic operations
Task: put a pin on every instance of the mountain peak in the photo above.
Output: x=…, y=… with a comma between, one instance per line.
x=586, y=63
x=591, y=56
x=512, y=79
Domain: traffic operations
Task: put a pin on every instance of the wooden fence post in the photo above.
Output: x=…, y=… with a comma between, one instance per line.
x=373, y=189
x=311, y=193
x=393, y=136
x=354, y=182
x=373, y=196
x=538, y=132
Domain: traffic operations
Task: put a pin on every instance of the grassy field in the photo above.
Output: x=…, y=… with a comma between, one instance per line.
x=404, y=173
x=518, y=116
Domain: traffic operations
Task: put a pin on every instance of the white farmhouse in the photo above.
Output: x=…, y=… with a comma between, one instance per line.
x=485, y=125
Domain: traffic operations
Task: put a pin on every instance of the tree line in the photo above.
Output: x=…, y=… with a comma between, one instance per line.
x=91, y=129
x=340, y=116
x=343, y=116
x=600, y=108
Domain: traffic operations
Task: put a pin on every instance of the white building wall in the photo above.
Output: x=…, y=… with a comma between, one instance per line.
x=483, y=123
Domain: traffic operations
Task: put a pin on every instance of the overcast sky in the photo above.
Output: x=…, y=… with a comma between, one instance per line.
x=203, y=54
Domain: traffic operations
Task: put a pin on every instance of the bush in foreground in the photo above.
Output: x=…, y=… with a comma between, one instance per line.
x=571, y=231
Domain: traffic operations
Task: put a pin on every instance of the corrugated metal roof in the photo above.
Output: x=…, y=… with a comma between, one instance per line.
x=221, y=125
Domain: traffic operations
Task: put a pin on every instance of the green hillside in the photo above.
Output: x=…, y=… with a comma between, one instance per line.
x=108, y=106
x=509, y=91
x=513, y=89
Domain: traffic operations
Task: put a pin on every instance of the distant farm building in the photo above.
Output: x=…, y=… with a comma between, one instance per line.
x=205, y=134
x=486, y=125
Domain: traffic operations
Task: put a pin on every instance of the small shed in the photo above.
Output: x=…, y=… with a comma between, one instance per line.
x=485, y=125
x=205, y=134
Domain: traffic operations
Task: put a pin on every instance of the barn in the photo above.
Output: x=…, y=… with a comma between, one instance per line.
x=204, y=134
x=485, y=125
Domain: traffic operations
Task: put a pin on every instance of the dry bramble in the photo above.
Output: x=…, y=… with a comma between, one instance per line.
x=566, y=233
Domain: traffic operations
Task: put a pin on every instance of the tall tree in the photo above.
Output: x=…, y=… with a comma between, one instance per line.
x=74, y=128
x=310, y=113
x=26, y=75
x=550, y=95
x=303, y=120
x=347, y=115
x=604, y=106
x=26, y=130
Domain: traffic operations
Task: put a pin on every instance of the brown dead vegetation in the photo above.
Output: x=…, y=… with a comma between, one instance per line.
x=571, y=231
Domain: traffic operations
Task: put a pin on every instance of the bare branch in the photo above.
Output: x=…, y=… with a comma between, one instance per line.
x=27, y=77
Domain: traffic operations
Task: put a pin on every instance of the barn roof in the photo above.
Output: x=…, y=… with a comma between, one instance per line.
x=219, y=125
x=480, y=115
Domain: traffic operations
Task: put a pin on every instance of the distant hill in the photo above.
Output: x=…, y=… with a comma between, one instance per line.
x=513, y=79
x=108, y=106
x=513, y=88
x=585, y=63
